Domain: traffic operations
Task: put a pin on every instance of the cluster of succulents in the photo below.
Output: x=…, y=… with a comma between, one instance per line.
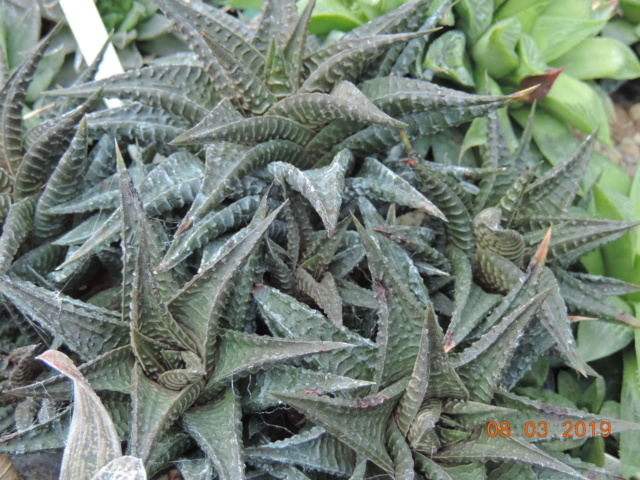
x=268, y=264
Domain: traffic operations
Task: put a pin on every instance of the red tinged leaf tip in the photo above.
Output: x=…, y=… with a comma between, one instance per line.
x=186, y=224
x=449, y=343
x=544, y=82
x=257, y=288
x=537, y=261
x=409, y=161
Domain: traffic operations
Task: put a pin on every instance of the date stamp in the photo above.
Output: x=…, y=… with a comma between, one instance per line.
x=545, y=429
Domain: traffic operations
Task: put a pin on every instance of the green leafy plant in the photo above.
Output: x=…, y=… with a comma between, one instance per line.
x=239, y=291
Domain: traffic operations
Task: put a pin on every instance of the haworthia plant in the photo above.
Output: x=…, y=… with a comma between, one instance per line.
x=227, y=260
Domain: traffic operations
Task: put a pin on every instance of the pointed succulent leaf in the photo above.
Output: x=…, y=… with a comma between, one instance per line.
x=148, y=125
x=360, y=423
x=379, y=182
x=147, y=310
x=345, y=102
x=443, y=106
x=232, y=165
x=490, y=354
x=527, y=409
x=46, y=436
x=295, y=46
x=350, y=64
x=154, y=409
x=321, y=186
x=496, y=155
x=462, y=289
x=510, y=202
x=15, y=230
x=284, y=316
x=471, y=414
x=406, y=320
x=311, y=450
x=111, y=371
x=458, y=224
x=122, y=468
x=324, y=293
x=604, y=285
x=478, y=305
x=92, y=441
x=90, y=331
x=145, y=84
x=249, y=131
x=208, y=228
x=574, y=237
x=326, y=251
x=13, y=96
x=196, y=308
x=400, y=453
x=480, y=446
x=232, y=78
x=240, y=354
x=217, y=429
x=289, y=379
x=38, y=162
x=62, y=186
x=419, y=382
x=555, y=191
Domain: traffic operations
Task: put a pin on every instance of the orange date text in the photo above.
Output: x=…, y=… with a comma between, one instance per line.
x=545, y=429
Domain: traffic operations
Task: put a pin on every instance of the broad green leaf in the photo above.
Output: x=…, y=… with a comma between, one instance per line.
x=598, y=339
x=619, y=254
x=600, y=57
x=217, y=429
x=475, y=17
x=630, y=411
x=556, y=35
x=92, y=441
x=447, y=57
x=495, y=51
x=360, y=423
x=577, y=103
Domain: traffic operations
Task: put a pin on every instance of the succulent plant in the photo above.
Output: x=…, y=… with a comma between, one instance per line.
x=267, y=312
